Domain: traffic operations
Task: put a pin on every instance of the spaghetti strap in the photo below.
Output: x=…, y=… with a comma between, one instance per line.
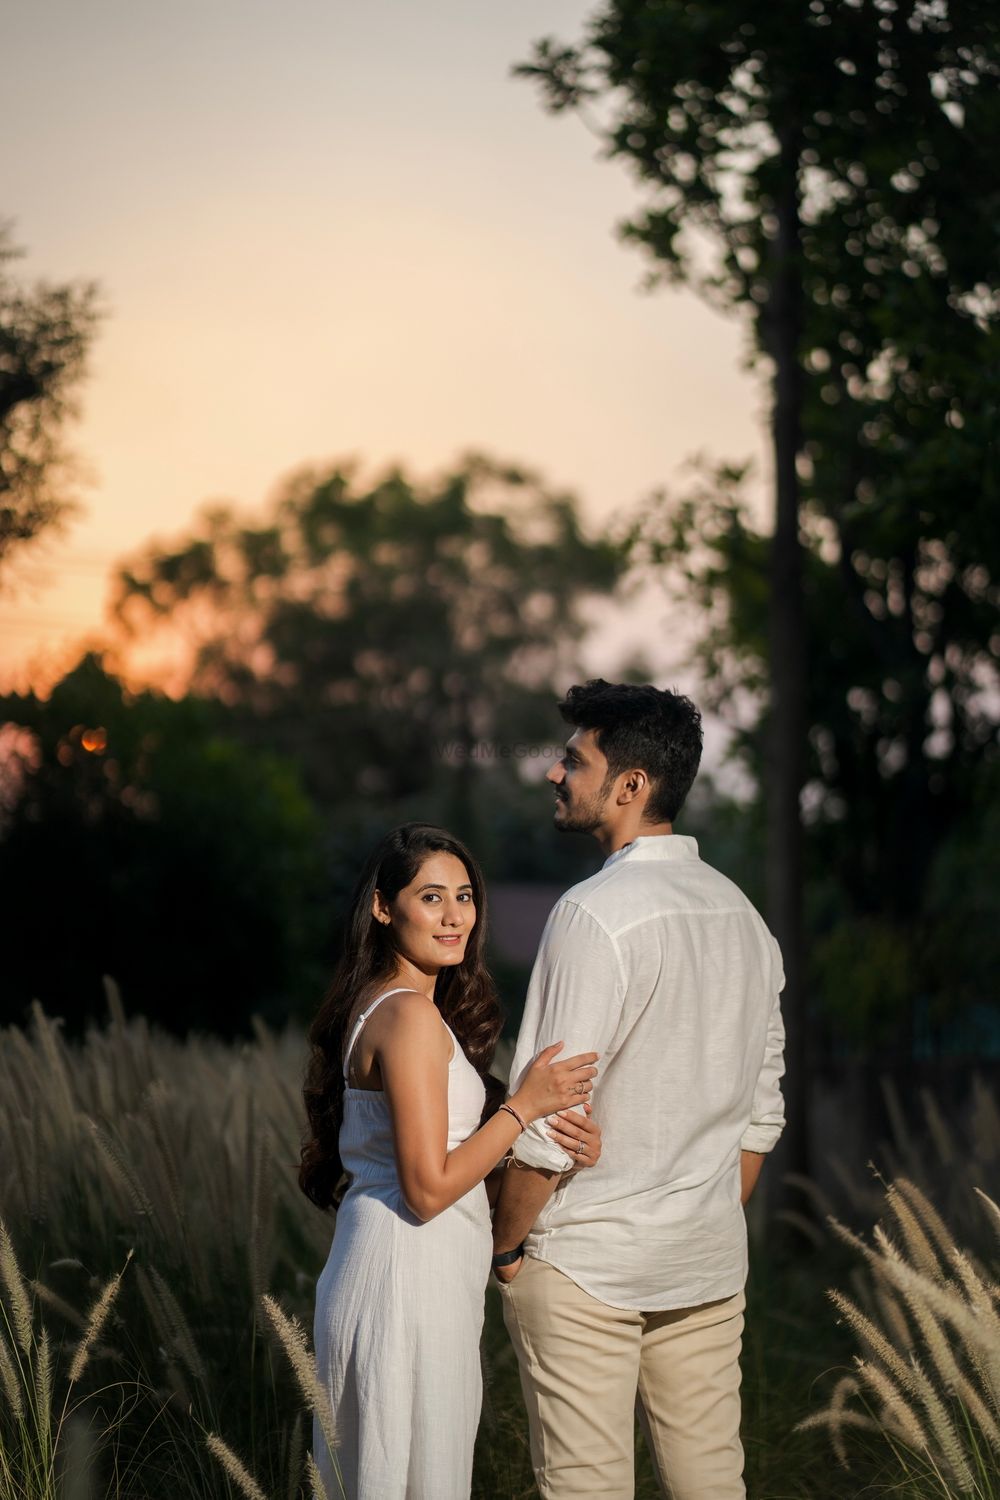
x=359, y=1023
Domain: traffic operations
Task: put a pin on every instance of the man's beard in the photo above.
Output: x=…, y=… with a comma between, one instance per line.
x=586, y=816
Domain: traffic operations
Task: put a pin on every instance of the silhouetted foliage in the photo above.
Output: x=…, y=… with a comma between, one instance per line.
x=137, y=840
x=402, y=640
x=45, y=335
x=902, y=756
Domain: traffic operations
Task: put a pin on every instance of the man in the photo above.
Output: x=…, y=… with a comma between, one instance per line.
x=628, y=1289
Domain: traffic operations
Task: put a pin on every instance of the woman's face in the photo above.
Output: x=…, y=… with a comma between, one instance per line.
x=432, y=917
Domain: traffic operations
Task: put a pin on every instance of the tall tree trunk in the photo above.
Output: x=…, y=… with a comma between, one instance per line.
x=785, y=750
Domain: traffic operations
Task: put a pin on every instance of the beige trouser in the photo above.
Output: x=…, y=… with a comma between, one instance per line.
x=585, y=1369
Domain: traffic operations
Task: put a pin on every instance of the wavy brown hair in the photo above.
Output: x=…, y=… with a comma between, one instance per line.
x=464, y=994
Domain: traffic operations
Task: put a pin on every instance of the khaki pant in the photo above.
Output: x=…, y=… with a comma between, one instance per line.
x=586, y=1368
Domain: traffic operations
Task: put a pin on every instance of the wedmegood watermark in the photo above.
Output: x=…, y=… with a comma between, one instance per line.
x=486, y=751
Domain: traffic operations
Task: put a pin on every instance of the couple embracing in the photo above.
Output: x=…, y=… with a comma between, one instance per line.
x=617, y=1239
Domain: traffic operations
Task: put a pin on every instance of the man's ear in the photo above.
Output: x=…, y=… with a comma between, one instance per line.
x=633, y=785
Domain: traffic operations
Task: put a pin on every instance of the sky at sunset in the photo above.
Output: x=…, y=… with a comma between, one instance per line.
x=331, y=229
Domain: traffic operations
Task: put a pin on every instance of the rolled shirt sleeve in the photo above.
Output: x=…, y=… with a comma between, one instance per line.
x=575, y=996
x=767, y=1118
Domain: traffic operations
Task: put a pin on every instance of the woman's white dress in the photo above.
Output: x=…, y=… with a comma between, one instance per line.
x=399, y=1312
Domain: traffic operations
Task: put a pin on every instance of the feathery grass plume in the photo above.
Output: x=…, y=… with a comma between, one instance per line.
x=980, y=1334
x=181, y=1141
x=157, y=1101
x=58, y=1304
x=317, y=1489
x=54, y=1052
x=293, y=1457
x=113, y=997
x=920, y=1250
x=894, y=1405
x=26, y=1137
x=122, y=1169
x=20, y=1307
x=948, y=1441
x=976, y=1290
x=259, y=1252
x=844, y=1388
x=292, y=1337
x=43, y=1387
x=935, y=1339
x=847, y=1418
x=929, y=1217
x=874, y=1338
x=981, y=1301
x=893, y=1317
x=179, y=1327
x=854, y=1240
x=157, y=1318
x=942, y=1159
x=11, y=1381
x=978, y=1411
x=948, y=1302
x=96, y=1319
x=993, y=1209
x=938, y=1387
x=234, y=1467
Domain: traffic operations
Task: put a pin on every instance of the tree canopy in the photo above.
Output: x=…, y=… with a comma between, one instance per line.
x=380, y=630
x=45, y=336
x=825, y=169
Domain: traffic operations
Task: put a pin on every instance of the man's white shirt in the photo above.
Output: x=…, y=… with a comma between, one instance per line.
x=661, y=964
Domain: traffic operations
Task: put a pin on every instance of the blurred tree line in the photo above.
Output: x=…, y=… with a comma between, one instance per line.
x=371, y=653
x=823, y=169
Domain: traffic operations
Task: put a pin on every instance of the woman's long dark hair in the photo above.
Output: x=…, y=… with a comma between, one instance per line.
x=465, y=994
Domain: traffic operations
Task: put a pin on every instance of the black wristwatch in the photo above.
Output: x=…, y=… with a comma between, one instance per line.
x=508, y=1257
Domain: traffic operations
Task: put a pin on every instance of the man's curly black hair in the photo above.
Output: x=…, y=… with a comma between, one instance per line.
x=642, y=728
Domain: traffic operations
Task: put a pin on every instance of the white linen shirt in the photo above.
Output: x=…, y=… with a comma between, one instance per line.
x=661, y=964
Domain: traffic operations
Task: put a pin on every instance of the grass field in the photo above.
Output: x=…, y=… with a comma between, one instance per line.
x=148, y=1187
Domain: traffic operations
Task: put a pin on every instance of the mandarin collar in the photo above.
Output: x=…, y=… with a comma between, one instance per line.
x=656, y=846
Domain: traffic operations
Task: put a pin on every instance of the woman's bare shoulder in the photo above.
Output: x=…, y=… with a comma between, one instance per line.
x=407, y=1016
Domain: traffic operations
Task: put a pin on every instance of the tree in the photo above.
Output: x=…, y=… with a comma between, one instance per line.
x=45, y=336
x=900, y=760
x=394, y=637
x=138, y=839
x=806, y=165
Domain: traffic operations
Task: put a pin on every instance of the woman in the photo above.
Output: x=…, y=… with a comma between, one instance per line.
x=395, y=1098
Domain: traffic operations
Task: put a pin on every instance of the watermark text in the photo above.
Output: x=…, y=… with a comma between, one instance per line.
x=487, y=751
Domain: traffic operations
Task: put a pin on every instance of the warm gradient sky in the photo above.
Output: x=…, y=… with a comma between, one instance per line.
x=325, y=229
